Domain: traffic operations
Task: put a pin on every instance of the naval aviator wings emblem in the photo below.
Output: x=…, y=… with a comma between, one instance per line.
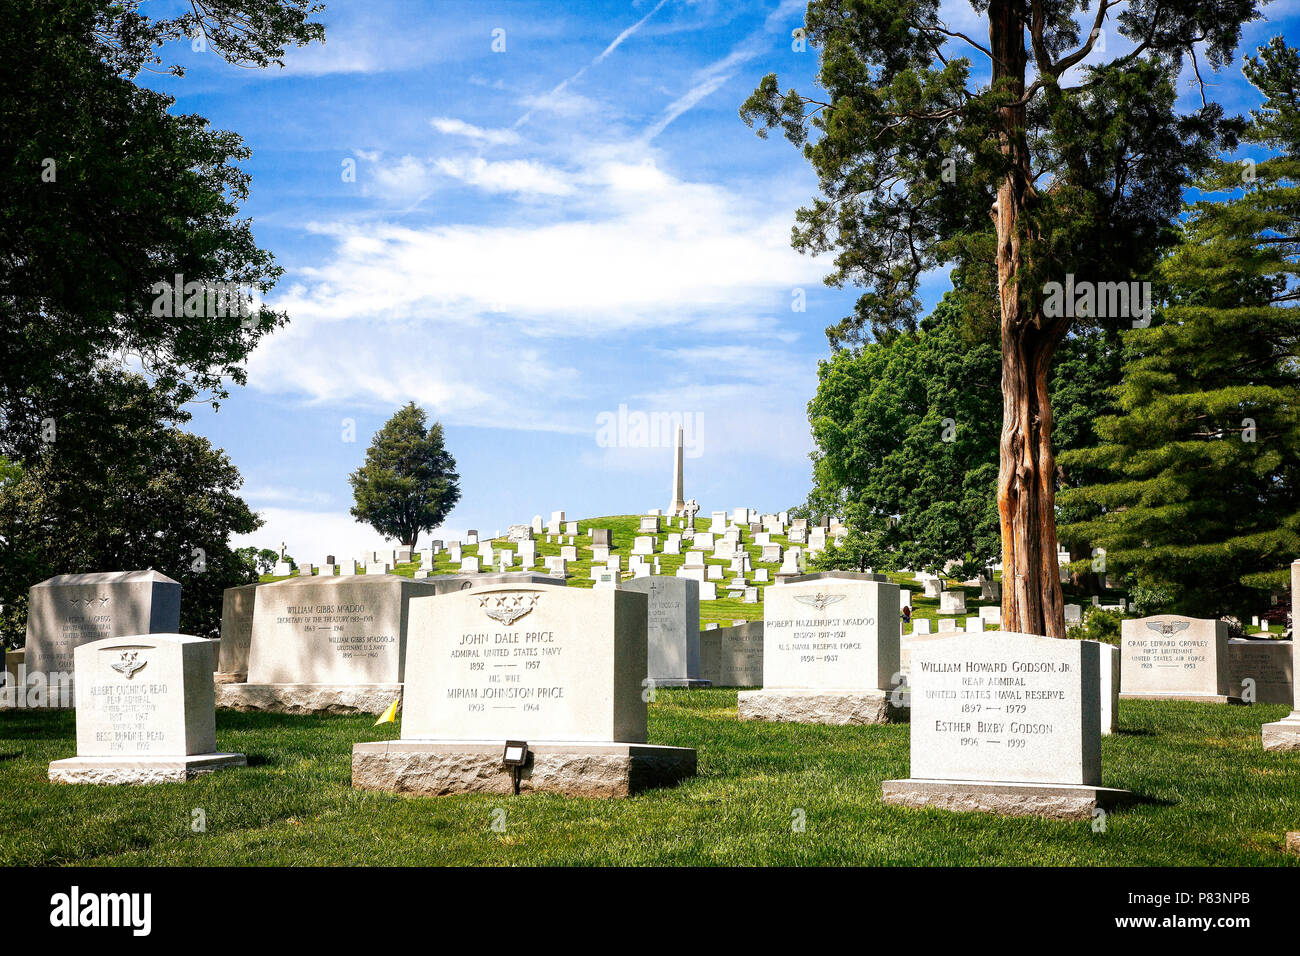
x=508, y=607
x=819, y=600
x=129, y=664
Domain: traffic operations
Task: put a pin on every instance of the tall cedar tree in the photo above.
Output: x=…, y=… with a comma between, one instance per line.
x=1201, y=489
x=1015, y=181
x=409, y=482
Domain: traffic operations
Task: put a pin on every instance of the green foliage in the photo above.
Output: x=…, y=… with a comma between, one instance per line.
x=409, y=482
x=906, y=148
x=120, y=488
x=248, y=33
x=262, y=560
x=1098, y=624
x=104, y=193
x=906, y=436
x=1149, y=600
x=1196, y=477
x=1088, y=367
x=854, y=552
x=911, y=497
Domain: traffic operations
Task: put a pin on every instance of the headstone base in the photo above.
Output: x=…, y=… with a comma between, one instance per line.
x=308, y=698
x=1195, y=698
x=141, y=770
x=1051, y=800
x=681, y=682
x=441, y=767
x=1283, y=734
x=820, y=706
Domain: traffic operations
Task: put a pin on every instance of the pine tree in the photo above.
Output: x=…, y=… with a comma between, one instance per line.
x=1203, y=457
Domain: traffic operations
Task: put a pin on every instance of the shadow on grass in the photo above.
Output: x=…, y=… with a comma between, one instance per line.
x=1133, y=799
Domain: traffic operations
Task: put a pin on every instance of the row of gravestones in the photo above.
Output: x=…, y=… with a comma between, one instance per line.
x=999, y=721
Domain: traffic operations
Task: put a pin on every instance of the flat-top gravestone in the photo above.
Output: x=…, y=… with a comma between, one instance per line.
x=69, y=610
x=952, y=602
x=236, y=633
x=1005, y=723
x=329, y=645
x=144, y=712
x=1284, y=734
x=1261, y=671
x=830, y=651
x=672, y=631
x=1174, y=657
x=842, y=575
x=1110, y=677
x=733, y=656
x=562, y=669
x=13, y=677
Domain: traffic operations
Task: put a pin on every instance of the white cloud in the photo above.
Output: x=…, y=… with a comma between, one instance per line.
x=404, y=178
x=506, y=176
x=618, y=40
x=560, y=101
x=651, y=251
x=450, y=126
x=285, y=495
x=358, y=42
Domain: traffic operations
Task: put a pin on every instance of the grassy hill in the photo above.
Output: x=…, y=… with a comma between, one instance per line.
x=725, y=609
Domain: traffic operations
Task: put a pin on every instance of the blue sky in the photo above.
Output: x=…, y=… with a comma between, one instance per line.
x=534, y=238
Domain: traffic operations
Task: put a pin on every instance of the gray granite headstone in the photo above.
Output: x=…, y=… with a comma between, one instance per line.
x=69, y=610
x=673, y=630
x=236, y=629
x=733, y=656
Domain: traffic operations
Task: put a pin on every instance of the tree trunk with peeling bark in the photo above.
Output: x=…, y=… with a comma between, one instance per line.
x=1031, y=585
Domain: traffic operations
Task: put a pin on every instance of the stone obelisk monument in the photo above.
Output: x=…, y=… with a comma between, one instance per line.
x=678, y=507
x=1285, y=734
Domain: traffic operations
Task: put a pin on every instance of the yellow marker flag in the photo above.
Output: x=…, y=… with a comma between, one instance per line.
x=390, y=715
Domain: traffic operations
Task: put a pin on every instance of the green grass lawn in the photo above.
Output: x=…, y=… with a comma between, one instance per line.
x=1213, y=797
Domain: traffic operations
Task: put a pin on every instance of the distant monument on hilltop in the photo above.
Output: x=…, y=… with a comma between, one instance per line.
x=680, y=507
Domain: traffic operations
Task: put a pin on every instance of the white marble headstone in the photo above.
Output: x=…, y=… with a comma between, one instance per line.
x=1006, y=707
x=535, y=663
